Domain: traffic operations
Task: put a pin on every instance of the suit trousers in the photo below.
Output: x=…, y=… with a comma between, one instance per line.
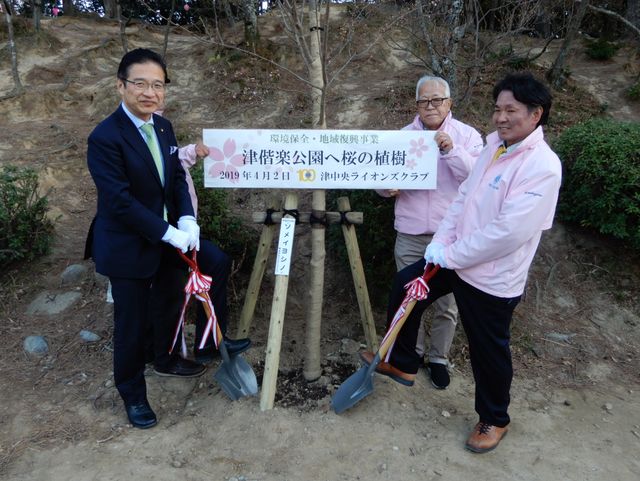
x=137, y=326
x=486, y=320
x=409, y=249
x=167, y=303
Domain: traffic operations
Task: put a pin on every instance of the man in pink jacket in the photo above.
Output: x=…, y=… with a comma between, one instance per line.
x=419, y=212
x=484, y=246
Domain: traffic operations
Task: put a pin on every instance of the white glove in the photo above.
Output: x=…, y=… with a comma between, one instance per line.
x=434, y=254
x=177, y=238
x=191, y=227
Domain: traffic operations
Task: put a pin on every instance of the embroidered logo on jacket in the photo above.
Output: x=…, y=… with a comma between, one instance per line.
x=494, y=183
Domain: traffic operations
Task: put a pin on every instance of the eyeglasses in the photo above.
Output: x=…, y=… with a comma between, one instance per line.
x=437, y=102
x=142, y=86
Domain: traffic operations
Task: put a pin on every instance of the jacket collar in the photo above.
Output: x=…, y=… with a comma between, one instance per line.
x=131, y=134
x=528, y=143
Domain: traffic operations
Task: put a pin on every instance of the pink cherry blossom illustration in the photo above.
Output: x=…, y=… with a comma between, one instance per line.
x=417, y=147
x=225, y=160
x=411, y=163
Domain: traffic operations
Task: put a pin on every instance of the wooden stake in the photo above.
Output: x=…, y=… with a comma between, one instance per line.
x=312, y=369
x=272, y=358
x=257, y=274
x=362, y=293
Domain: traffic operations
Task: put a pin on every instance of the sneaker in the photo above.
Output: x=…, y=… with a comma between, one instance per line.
x=439, y=375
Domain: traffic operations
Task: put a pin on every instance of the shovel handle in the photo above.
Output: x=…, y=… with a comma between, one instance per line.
x=430, y=270
x=193, y=263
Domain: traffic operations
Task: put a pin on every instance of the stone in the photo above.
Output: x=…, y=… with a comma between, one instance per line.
x=88, y=336
x=558, y=337
x=52, y=303
x=36, y=345
x=73, y=274
x=349, y=346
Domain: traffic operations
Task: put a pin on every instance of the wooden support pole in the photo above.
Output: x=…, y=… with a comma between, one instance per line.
x=272, y=359
x=312, y=369
x=257, y=274
x=362, y=293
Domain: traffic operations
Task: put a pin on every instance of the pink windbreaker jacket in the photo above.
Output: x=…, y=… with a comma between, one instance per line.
x=420, y=211
x=187, y=156
x=492, y=229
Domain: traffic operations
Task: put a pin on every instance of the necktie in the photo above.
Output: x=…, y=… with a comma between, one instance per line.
x=152, y=143
x=501, y=150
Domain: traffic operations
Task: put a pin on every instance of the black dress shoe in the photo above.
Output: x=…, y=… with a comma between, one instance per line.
x=141, y=415
x=181, y=367
x=209, y=353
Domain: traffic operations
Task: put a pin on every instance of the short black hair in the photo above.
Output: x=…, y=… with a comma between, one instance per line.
x=528, y=90
x=140, y=55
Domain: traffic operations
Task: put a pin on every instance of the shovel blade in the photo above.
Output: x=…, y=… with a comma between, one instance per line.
x=236, y=378
x=355, y=388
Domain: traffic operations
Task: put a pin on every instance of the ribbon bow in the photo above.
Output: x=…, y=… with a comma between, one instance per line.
x=198, y=285
x=417, y=290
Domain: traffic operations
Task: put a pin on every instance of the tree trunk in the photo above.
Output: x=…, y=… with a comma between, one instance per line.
x=8, y=18
x=312, y=369
x=456, y=29
x=111, y=8
x=556, y=74
x=37, y=14
x=251, y=34
x=123, y=27
x=316, y=77
x=633, y=12
x=167, y=29
x=228, y=12
x=67, y=6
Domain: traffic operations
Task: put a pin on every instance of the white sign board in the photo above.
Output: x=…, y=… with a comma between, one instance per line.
x=320, y=159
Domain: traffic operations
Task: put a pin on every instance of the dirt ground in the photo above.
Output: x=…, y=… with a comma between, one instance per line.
x=575, y=405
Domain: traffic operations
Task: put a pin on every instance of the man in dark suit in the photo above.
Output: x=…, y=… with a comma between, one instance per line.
x=144, y=213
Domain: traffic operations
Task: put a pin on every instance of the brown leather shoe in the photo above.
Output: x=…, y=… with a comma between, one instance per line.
x=485, y=437
x=387, y=369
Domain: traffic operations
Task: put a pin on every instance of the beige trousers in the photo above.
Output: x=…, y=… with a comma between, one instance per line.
x=408, y=250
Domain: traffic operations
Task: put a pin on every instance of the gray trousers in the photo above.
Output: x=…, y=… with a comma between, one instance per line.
x=409, y=249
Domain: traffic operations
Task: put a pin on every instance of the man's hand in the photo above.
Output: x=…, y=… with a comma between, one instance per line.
x=392, y=192
x=445, y=144
x=191, y=227
x=177, y=238
x=434, y=254
x=201, y=150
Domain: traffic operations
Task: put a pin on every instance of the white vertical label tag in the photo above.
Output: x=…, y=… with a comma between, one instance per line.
x=285, y=246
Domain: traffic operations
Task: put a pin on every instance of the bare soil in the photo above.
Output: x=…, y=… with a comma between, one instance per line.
x=575, y=337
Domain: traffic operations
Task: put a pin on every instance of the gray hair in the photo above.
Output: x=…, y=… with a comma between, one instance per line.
x=431, y=78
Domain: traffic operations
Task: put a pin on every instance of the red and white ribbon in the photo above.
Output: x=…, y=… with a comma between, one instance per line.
x=197, y=285
x=417, y=290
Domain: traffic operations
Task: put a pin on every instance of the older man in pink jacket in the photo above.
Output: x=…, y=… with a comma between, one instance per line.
x=419, y=212
x=484, y=246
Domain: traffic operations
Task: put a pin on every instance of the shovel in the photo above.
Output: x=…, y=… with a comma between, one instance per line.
x=235, y=376
x=360, y=384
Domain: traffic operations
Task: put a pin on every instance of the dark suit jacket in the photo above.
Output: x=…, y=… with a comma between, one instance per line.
x=125, y=236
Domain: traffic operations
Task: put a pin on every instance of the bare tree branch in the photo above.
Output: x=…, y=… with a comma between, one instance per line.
x=617, y=16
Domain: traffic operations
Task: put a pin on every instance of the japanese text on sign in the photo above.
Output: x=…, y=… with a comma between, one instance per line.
x=321, y=159
x=285, y=246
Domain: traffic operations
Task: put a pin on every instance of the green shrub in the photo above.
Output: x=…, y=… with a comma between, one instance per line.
x=376, y=239
x=219, y=225
x=25, y=230
x=601, y=49
x=601, y=187
x=633, y=92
